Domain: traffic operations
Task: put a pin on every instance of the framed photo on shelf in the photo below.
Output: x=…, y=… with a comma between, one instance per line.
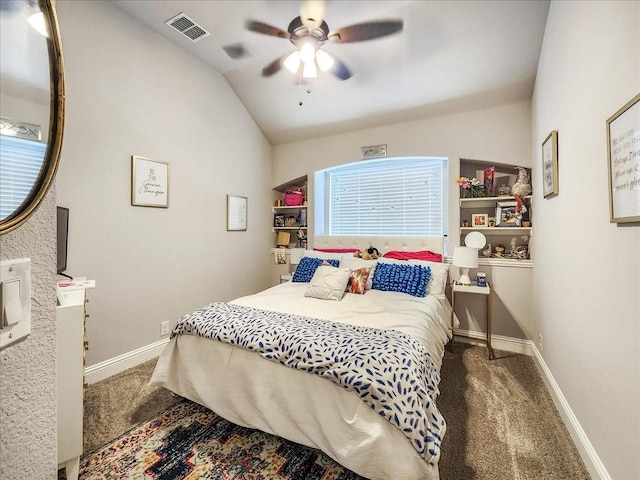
x=278, y=220
x=506, y=214
x=149, y=182
x=479, y=220
x=623, y=156
x=550, y=165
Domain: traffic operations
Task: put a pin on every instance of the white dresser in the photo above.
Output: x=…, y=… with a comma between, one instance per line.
x=70, y=377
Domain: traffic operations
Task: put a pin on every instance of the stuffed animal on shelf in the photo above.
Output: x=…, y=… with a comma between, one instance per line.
x=370, y=253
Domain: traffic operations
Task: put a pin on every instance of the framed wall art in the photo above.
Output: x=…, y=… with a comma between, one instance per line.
x=623, y=155
x=373, y=151
x=236, y=213
x=550, y=165
x=149, y=182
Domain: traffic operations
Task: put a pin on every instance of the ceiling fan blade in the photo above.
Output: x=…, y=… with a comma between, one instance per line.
x=236, y=50
x=361, y=32
x=266, y=29
x=275, y=66
x=339, y=69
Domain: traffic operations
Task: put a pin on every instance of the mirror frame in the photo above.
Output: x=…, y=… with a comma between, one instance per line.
x=56, y=124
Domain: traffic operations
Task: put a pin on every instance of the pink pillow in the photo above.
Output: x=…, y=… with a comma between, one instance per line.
x=421, y=255
x=336, y=250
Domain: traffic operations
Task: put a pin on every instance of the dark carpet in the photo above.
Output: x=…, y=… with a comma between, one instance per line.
x=501, y=425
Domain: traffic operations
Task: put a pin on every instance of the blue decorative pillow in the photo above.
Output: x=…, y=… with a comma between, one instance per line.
x=396, y=277
x=307, y=267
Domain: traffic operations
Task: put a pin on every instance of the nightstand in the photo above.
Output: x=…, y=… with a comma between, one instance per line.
x=284, y=278
x=473, y=290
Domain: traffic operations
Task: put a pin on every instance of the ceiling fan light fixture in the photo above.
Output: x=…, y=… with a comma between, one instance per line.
x=307, y=53
x=309, y=70
x=292, y=63
x=325, y=61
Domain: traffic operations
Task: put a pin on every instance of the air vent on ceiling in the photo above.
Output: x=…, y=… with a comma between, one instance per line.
x=187, y=27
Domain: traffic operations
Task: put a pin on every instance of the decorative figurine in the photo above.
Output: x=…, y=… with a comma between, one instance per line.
x=521, y=188
x=302, y=239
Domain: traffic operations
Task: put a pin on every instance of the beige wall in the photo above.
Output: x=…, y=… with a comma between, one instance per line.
x=586, y=285
x=131, y=91
x=28, y=367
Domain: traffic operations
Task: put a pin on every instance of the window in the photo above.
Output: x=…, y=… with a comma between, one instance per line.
x=392, y=196
x=20, y=161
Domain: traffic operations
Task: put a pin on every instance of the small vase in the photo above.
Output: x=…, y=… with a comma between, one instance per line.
x=465, y=193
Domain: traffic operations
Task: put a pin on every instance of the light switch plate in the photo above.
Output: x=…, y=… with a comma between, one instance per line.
x=10, y=271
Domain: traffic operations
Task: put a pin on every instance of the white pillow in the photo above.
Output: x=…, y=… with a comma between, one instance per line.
x=322, y=255
x=390, y=260
x=328, y=283
x=354, y=263
x=439, y=274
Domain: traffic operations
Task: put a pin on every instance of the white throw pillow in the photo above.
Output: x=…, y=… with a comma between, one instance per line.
x=328, y=283
x=391, y=260
x=322, y=255
x=439, y=274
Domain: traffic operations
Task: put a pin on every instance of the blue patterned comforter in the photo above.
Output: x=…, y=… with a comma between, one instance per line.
x=389, y=370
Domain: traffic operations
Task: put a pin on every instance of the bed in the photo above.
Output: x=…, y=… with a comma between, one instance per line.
x=242, y=386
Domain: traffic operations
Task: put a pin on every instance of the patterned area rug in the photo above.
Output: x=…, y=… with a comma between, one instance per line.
x=188, y=441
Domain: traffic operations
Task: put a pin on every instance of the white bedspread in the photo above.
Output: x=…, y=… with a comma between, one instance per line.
x=248, y=390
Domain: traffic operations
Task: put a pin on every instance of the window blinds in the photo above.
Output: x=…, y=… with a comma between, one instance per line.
x=20, y=162
x=399, y=197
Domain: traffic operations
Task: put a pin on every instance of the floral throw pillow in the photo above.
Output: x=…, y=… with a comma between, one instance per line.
x=358, y=280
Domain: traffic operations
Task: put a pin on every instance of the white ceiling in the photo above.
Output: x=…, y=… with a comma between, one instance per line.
x=450, y=56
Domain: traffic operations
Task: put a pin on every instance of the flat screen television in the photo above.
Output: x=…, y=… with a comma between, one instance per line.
x=63, y=238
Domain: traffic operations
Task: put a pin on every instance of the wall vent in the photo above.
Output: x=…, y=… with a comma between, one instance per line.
x=187, y=27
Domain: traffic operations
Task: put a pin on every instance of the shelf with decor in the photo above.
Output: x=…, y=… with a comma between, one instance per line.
x=488, y=202
x=289, y=218
x=488, y=205
x=498, y=230
x=290, y=214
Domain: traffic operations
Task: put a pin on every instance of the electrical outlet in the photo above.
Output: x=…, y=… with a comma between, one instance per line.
x=164, y=328
x=541, y=345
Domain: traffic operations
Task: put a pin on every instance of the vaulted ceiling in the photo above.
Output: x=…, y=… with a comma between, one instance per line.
x=449, y=56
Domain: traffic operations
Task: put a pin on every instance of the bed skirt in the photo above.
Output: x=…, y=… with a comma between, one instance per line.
x=241, y=387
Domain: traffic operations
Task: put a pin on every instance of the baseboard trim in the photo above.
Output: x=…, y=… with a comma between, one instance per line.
x=589, y=455
x=498, y=342
x=108, y=368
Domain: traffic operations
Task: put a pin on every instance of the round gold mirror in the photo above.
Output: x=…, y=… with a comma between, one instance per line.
x=31, y=107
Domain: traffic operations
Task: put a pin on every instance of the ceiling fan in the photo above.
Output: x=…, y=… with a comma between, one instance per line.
x=309, y=32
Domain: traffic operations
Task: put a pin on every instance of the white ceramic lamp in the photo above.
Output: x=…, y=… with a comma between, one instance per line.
x=465, y=258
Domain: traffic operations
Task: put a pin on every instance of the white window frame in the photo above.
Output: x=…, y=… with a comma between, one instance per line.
x=322, y=197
